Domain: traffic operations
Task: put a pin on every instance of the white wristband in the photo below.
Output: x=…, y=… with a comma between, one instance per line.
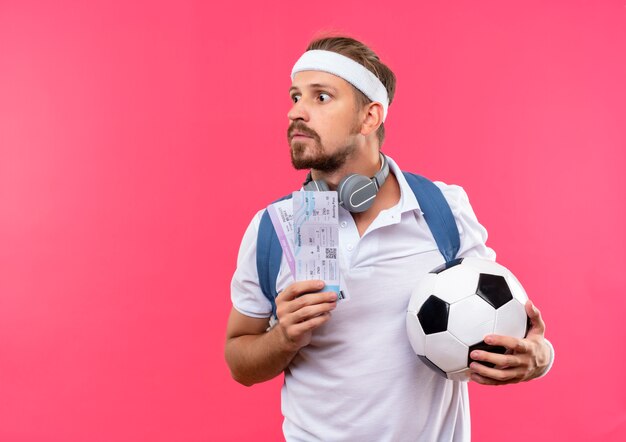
x=545, y=372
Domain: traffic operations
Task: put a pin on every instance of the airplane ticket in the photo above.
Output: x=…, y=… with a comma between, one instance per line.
x=307, y=227
x=316, y=237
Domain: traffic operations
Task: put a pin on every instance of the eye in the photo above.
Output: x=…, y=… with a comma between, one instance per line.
x=323, y=97
x=295, y=98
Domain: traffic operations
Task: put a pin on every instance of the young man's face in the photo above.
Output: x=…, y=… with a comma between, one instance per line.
x=324, y=121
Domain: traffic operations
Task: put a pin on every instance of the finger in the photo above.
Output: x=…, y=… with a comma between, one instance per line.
x=310, y=324
x=315, y=298
x=305, y=300
x=537, y=324
x=311, y=311
x=506, y=375
x=509, y=342
x=299, y=288
x=506, y=360
x=286, y=308
x=486, y=381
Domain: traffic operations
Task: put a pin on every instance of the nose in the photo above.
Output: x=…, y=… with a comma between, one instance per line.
x=298, y=111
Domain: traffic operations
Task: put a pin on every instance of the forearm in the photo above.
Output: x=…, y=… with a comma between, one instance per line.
x=258, y=358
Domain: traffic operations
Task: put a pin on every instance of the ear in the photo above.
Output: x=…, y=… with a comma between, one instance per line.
x=373, y=118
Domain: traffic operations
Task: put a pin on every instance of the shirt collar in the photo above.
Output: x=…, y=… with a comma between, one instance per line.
x=408, y=201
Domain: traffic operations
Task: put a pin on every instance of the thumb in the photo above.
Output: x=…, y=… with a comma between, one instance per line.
x=538, y=327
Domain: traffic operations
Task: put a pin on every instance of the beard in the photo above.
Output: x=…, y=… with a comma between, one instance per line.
x=318, y=159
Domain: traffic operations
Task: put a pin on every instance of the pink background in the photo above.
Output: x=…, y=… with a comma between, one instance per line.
x=137, y=141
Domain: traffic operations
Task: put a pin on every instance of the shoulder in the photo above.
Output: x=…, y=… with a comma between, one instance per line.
x=454, y=194
x=473, y=233
x=246, y=294
x=249, y=237
x=459, y=203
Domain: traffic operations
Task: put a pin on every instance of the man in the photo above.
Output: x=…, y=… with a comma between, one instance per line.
x=350, y=373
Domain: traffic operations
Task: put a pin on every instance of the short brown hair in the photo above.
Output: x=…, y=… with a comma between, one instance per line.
x=360, y=53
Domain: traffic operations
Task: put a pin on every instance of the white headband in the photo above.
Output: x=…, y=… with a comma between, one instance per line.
x=354, y=73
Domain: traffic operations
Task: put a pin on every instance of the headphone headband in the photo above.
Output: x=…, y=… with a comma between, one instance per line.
x=383, y=173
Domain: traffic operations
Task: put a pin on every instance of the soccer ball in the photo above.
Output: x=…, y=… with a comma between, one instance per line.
x=454, y=306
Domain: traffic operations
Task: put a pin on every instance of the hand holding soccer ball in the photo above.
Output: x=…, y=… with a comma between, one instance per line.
x=525, y=359
x=470, y=318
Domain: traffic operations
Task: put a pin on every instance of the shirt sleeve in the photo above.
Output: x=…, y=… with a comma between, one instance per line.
x=245, y=291
x=473, y=234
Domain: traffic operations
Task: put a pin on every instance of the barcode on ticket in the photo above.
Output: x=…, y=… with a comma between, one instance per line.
x=331, y=253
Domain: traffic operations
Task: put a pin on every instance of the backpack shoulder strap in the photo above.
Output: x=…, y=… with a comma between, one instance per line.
x=437, y=214
x=268, y=256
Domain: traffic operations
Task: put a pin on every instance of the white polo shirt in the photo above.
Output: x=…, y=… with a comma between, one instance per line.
x=359, y=378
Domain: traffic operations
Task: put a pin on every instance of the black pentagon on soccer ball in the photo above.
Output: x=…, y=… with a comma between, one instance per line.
x=494, y=290
x=447, y=265
x=432, y=366
x=485, y=347
x=433, y=315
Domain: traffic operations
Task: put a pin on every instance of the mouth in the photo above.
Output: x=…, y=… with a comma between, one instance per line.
x=299, y=136
x=299, y=132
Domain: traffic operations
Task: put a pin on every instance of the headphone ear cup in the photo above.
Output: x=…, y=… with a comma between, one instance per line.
x=356, y=193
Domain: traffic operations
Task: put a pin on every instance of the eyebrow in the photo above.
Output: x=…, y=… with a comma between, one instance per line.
x=315, y=86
